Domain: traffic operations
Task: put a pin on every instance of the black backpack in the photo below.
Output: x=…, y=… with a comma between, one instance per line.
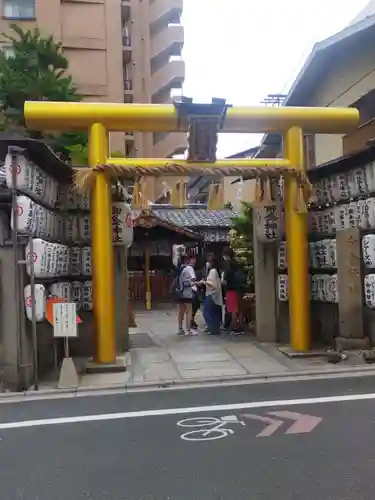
x=176, y=288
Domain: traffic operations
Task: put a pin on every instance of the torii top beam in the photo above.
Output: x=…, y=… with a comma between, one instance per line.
x=43, y=115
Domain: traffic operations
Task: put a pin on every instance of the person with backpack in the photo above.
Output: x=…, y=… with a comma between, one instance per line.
x=185, y=287
x=197, y=293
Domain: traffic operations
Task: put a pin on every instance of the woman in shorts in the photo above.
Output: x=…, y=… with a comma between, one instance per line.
x=187, y=287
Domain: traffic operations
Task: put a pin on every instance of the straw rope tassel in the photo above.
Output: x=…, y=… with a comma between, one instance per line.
x=142, y=193
x=220, y=195
x=175, y=194
x=211, y=197
x=258, y=191
x=136, y=199
x=84, y=180
x=300, y=205
x=267, y=196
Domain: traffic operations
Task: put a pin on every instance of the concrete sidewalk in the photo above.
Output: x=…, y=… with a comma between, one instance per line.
x=160, y=357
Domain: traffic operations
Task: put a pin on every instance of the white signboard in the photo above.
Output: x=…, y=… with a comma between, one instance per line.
x=128, y=226
x=65, y=319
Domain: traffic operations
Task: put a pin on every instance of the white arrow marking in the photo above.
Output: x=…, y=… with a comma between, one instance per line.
x=272, y=426
x=303, y=423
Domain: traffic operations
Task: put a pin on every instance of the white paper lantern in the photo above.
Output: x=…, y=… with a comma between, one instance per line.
x=282, y=287
x=368, y=250
x=87, y=296
x=76, y=293
x=370, y=207
x=38, y=257
x=370, y=177
x=86, y=261
x=39, y=300
x=24, y=173
x=61, y=290
x=352, y=184
x=369, y=289
x=25, y=213
x=75, y=261
x=282, y=261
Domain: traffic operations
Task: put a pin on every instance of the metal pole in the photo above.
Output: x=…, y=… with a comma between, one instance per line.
x=66, y=347
x=297, y=249
x=16, y=268
x=33, y=316
x=147, y=278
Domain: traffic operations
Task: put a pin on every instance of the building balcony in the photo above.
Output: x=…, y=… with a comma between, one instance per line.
x=359, y=138
x=174, y=143
x=128, y=91
x=125, y=7
x=168, y=42
x=163, y=12
x=126, y=49
x=172, y=75
x=168, y=96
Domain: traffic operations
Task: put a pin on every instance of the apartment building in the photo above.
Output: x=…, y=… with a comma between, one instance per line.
x=118, y=51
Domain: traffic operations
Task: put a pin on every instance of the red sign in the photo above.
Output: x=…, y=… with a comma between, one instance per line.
x=35, y=257
x=19, y=210
x=18, y=168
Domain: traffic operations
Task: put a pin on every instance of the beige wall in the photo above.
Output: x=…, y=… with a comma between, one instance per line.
x=91, y=33
x=350, y=77
x=327, y=147
x=236, y=194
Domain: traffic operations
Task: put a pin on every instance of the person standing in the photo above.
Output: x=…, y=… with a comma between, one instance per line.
x=213, y=302
x=207, y=265
x=205, y=271
x=185, y=284
x=196, y=294
x=233, y=283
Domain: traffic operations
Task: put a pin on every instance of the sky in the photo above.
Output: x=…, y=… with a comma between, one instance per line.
x=242, y=50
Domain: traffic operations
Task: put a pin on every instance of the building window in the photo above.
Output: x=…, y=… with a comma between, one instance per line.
x=19, y=9
x=366, y=107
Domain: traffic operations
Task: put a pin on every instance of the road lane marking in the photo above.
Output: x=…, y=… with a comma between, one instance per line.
x=183, y=411
x=208, y=428
x=272, y=424
x=303, y=424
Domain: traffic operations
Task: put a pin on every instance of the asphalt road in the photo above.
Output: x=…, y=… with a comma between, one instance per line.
x=129, y=446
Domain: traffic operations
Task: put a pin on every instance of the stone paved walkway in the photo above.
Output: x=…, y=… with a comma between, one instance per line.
x=165, y=357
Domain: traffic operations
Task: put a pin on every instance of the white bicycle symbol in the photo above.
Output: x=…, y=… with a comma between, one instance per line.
x=214, y=428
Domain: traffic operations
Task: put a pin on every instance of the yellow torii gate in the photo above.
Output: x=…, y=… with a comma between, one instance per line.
x=101, y=118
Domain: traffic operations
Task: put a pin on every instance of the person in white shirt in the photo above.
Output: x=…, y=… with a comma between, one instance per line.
x=213, y=303
x=186, y=284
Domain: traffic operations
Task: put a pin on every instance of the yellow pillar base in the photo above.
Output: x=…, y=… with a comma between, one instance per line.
x=118, y=366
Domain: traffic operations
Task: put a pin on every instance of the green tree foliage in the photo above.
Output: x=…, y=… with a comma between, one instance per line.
x=34, y=69
x=241, y=241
